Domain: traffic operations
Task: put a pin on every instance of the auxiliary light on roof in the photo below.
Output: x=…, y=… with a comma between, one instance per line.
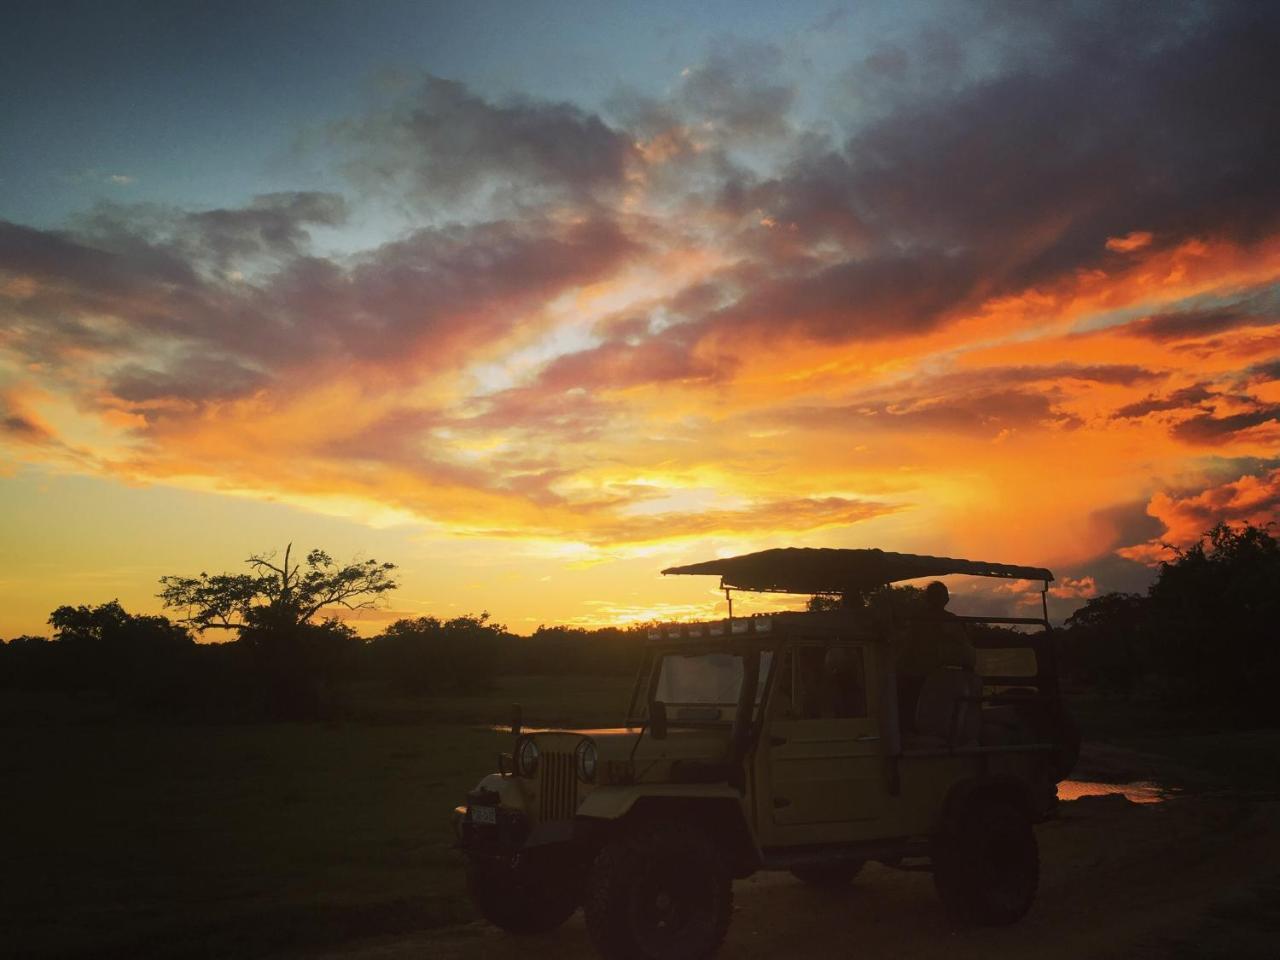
x=718, y=628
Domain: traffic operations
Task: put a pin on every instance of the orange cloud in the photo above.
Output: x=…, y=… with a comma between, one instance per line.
x=1130, y=241
x=1253, y=498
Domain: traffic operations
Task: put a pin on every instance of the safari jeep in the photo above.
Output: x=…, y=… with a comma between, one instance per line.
x=779, y=743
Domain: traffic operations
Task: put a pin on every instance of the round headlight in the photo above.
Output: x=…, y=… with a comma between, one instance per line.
x=527, y=757
x=586, y=753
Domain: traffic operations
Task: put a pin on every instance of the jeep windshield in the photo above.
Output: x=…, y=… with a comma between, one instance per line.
x=704, y=686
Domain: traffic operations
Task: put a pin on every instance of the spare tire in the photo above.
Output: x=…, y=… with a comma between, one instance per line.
x=1066, y=741
x=1049, y=722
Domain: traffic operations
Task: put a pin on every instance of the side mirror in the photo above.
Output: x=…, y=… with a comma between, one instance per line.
x=517, y=719
x=657, y=720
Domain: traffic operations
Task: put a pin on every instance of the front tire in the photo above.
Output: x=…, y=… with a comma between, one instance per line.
x=517, y=898
x=839, y=874
x=659, y=892
x=986, y=867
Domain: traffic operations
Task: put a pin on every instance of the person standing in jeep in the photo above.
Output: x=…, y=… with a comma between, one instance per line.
x=936, y=641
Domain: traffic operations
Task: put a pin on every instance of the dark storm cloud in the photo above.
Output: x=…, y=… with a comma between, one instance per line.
x=19, y=427
x=24, y=428
x=1120, y=374
x=1021, y=178
x=1113, y=573
x=1267, y=371
x=933, y=62
x=980, y=402
x=1191, y=324
x=811, y=202
x=444, y=144
x=273, y=225
x=440, y=289
x=1111, y=527
x=619, y=364
x=1125, y=523
x=155, y=269
x=1210, y=430
x=1117, y=136
x=1188, y=397
x=736, y=91
x=982, y=414
x=191, y=378
x=429, y=297
x=1115, y=120
x=860, y=299
x=98, y=274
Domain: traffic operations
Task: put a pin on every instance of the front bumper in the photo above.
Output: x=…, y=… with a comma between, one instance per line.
x=511, y=832
x=504, y=836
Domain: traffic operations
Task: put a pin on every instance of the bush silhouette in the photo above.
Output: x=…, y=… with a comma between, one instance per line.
x=1203, y=637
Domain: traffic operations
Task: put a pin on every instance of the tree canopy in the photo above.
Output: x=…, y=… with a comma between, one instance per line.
x=109, y=627
x=276, y=596
x=1203, y=637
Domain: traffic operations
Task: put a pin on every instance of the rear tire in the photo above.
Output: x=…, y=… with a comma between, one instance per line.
x=519, y=899
x=659, y=892
x=829, y=875
x=986, y=868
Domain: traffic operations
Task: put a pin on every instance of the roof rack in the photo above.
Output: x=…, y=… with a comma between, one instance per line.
x=828, y=570
x=755, y=625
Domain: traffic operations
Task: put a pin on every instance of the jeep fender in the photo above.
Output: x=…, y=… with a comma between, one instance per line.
x=507, y=789
x=612, y=803
x=717, y=808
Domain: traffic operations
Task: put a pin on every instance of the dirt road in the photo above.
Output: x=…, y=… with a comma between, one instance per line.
x=1119, y=880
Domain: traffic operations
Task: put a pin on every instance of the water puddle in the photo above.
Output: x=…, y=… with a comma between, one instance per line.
x=1140, y=791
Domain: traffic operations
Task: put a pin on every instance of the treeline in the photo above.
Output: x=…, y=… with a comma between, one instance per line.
x=1204, y=640
x=150, y=666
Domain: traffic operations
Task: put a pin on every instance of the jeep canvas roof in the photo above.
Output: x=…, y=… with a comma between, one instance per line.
x=829, y=570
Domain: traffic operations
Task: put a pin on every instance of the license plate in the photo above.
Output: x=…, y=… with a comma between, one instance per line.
x=484, y=815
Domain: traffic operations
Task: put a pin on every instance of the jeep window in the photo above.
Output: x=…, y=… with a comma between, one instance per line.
x=705, y=686
x=824, y=680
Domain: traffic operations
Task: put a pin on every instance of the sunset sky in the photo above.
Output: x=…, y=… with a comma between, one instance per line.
x=536, y=299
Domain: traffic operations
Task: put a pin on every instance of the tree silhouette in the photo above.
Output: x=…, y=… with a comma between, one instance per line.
x=140, y=659
x=1204, y=636
x=277, y=597
x=300, y=665
x=1215, y=608
x=425, y=654
x=1110, y=641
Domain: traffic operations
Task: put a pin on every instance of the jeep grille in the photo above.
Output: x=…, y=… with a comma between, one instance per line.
x=557, y=787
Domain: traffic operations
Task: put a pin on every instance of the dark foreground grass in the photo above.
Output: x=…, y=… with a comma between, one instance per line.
x=127, y=840
x=1244, y=925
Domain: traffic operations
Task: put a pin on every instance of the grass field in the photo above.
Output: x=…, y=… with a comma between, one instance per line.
x=239, y=841
x=129, y=840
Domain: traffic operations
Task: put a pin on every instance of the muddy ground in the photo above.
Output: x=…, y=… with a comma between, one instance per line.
x=1197, y=875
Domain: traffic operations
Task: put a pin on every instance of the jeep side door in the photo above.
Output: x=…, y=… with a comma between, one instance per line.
x=820, y=773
